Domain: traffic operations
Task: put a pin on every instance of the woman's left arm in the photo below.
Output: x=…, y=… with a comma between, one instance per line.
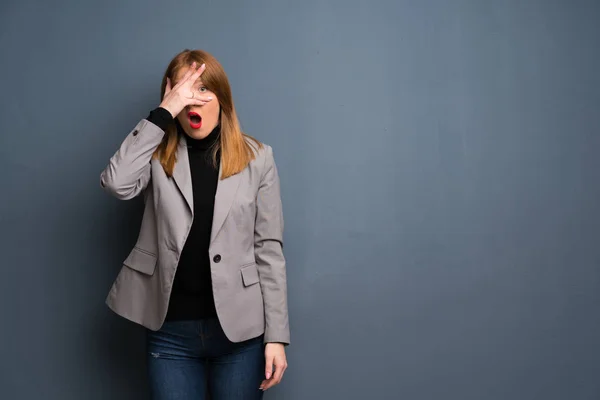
x=268, y=252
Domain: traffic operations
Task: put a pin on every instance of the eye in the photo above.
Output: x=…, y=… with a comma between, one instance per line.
x=203, y=88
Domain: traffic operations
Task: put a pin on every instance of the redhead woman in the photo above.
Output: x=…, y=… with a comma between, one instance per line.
x=207, y=274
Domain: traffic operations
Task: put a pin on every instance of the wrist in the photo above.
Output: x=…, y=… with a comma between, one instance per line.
x=170, y=108
x=276, y=343
x=160, y=117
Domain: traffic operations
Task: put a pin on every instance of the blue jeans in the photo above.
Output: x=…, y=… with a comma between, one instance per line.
x=189, y=359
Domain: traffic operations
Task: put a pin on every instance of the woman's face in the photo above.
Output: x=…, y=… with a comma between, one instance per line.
x=199, y=121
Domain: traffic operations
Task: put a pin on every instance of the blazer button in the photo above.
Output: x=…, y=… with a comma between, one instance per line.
x=217, y=258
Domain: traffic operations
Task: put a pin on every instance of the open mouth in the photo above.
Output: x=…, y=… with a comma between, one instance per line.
x=195, y=120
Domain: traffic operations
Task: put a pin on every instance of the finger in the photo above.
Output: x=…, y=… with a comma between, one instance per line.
x=193, y=73
x=269, y=366
x=277, y=376
x=168, y=87
x=198, y=101
x=198, y=72
x=275, y=379
x=267, y=383
x=187, y=74
x=263, y=385
x=202, y=99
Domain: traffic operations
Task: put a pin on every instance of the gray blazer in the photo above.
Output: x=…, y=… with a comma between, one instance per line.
x=247, y=263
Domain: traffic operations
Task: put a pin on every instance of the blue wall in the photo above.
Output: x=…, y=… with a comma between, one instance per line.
x=440, y=176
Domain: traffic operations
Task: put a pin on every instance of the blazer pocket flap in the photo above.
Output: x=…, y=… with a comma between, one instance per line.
x=249, y=274
x=141, y=260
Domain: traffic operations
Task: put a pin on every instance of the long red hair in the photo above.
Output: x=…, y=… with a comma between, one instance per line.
x=236, y=150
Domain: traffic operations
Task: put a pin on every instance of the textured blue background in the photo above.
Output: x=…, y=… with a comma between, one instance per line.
x=440, y=176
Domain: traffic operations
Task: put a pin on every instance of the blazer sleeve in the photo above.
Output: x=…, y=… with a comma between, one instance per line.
x=268, y=251
x=128, y=171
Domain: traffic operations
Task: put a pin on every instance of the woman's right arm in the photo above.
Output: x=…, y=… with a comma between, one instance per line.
x=128, y=171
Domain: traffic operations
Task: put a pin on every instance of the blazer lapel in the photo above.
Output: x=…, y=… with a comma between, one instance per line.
x=182, y=175
x=226, y=189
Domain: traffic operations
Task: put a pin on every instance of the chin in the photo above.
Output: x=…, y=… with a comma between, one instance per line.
x=199, y=133
x=196, y=133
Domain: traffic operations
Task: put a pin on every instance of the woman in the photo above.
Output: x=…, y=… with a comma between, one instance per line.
x=207, y=275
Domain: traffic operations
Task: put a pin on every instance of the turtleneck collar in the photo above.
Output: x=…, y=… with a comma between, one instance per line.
x=200, y=144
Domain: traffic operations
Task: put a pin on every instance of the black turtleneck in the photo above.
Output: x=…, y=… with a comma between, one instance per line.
x=192, y=296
